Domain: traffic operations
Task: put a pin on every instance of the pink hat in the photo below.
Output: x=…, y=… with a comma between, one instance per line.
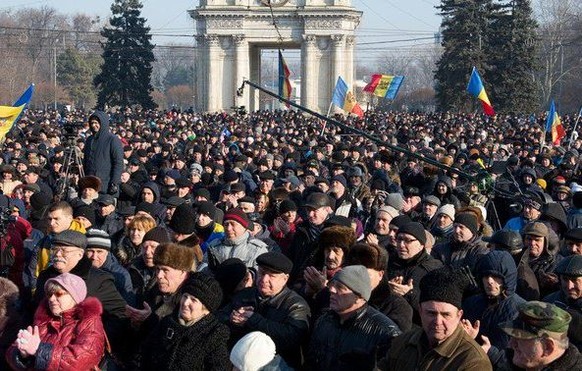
x=74, y=285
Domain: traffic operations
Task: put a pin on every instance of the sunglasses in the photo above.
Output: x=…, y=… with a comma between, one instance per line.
x=58, y=294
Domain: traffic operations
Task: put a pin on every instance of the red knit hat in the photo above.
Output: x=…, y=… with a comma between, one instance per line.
x=238, y=216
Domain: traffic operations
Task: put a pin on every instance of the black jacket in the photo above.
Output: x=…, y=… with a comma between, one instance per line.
x=414, y=268
x=103, y=154
x=303, y=249
x=355, y=344
x=284, y=317
x=574, y=307
x=173, y=346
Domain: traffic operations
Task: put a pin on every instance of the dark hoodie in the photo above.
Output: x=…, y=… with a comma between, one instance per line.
x=103, y=154
x=160, y=209
x=492, y=311
x=448, y=197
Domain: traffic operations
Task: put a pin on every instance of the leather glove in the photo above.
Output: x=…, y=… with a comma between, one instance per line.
x=113, y=189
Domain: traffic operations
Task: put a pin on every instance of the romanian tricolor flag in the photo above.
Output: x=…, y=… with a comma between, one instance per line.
x=344, y=98
x=8, y=116
x=385, y=86
x=476, y=89
x=285, y=88
x=554, y=125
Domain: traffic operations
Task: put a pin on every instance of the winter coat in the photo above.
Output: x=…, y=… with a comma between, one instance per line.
x=355, y=344
x=458, y=352
x=493, y=311
x=574, y=307
x=460, y=254
x=207, y=235
x=142, y=278
x=245, y=247
x=75, y=340
x=174, y=346
x=284, y=317
x=10, y=317
x=303, y=248
x=103, y=154
x=574, y=219
x=415, y=268
x=392, y=305
x=100, y=285
x=111, y=224
x=121, y=278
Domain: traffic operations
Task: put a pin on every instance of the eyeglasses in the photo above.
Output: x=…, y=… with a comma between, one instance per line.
x=406, y=241
x=62, y=250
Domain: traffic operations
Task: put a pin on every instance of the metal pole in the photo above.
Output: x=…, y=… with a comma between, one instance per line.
x=360, y=132
x=575, y=127
x=55, y=73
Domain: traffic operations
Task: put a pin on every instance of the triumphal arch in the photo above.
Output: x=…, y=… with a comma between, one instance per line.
x=231, y=34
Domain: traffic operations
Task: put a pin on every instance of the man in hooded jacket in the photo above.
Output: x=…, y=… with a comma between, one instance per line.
x=103, y=154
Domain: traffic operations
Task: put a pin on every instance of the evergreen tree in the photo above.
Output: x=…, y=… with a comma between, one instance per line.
x=75, y=71
x=464, y=34
x=513, y=58
x=125, y=77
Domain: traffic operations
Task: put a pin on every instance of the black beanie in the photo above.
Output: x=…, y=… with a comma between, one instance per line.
x=469, y=221
x=400, y=220
x=443, y=285
x=183, y=220
x=85, y=211
x=287, y=205
x=229, y=274
x=158, y=234
x=414, y=229
x=39, y=200
x=204, y=288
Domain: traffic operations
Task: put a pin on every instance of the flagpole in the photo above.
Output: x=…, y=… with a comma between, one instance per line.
x=575, y=127
x=325, y=123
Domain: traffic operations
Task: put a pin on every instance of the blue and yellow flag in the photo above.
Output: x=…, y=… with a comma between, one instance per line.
x=8, y=116
x=344, y=98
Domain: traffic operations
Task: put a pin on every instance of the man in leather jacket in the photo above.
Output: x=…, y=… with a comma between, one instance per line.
x=351, y=334
x=271, y=307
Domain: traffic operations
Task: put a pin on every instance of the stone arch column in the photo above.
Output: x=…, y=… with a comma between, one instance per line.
x=309, y=71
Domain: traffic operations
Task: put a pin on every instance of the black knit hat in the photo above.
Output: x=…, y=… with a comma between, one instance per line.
x=400, y=220
x=414, y=229
x=204, y=288
x=183, y=220
x=287, y=205
x=39, y=200
x=443, y=285
x=229, y=274
x=469, y=221
x=86, y=212
x=207, y=208
x=157, y=234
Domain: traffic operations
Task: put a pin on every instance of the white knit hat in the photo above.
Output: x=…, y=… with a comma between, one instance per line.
x=253, y=352
x=448, y=210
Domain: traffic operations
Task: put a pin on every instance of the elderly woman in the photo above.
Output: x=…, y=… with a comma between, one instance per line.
x=193, y=339
x=67, y=333
x=129, y=245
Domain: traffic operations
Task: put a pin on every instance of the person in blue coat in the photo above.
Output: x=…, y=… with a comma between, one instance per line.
x=497, y=274
x=103, y=154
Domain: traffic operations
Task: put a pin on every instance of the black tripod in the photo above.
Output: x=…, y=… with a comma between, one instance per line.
x=72, y=164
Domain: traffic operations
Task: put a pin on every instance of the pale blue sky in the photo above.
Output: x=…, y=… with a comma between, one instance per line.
x=383, y=20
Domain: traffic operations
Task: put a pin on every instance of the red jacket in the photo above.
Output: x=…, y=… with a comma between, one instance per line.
x=74, y=341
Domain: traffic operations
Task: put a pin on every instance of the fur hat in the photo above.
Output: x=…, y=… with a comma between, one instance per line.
x=337, y=236
x=369, y=255
x=9, y=297
x=442, y=285
x=204, y=288
x=175, y=256
x=90, y=182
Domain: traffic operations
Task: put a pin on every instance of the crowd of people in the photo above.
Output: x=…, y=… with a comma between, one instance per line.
x=149, y=240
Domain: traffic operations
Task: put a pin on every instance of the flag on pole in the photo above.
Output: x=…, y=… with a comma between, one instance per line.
x=554, y=125
x=8, y=116
x=476, y=89
x=385, y=86
x=285, y=88
x=25, y=97
x=345, y=99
